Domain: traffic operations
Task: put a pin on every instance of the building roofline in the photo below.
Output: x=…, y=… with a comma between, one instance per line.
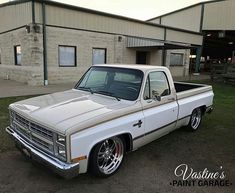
x=14, y=2
x=184, y=8
x=73, y=7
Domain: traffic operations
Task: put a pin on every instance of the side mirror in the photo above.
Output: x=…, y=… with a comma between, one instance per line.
x=156, y=96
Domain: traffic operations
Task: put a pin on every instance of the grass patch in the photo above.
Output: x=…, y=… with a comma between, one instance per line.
x=224, y=105
x=219, y=126
x=5, y=142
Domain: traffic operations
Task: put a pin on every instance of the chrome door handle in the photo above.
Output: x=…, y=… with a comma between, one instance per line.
x=139, y=123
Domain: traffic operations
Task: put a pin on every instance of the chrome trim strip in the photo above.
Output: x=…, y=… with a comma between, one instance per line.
x=157, y=129
x=58, y=166
x=42, y=138
x=23, y=128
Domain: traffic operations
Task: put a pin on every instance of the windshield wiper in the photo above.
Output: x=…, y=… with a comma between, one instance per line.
x=85, y=89
x=108, y=94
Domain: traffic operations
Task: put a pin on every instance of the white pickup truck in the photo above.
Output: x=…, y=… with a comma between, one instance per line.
x=112, y=110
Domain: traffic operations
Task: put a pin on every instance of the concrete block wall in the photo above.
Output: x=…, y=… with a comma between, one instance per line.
x=130, y=55
x=156, y=57
x=179, y=71
x=115, y=45
x=84, y=41
x=30, y=71
x=119, y=48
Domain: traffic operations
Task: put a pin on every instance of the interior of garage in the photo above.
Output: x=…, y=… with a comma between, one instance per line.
x=218, y=49
x=219, y=45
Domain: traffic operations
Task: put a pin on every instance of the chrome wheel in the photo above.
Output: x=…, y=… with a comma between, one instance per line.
x=196, y=118
x=110, y=155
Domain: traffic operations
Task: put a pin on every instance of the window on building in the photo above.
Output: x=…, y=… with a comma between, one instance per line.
x=17, y=51
x=176, y=59
x=99, y=56
x=67, y=56
x=156, y=85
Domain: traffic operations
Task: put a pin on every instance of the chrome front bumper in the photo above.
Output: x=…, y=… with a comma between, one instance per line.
x=65, y=170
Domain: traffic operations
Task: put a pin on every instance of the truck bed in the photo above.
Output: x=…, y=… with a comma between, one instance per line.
x=184, y=89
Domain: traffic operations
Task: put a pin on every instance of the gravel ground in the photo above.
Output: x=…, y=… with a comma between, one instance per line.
x=149, y=169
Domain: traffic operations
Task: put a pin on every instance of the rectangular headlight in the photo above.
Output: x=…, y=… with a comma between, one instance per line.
x=61, y=139
x=62, y=151
x=61, y=146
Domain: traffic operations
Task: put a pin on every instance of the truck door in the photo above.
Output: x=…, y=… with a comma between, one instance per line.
x=159, y=106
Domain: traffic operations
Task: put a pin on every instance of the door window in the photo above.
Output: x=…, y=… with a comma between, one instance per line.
x=156, y=85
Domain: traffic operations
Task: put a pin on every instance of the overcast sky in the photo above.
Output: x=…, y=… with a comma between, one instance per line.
x=139, y=9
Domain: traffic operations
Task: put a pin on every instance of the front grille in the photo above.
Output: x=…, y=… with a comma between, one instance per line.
x=33, y=133
x=42, y=143
x=23, y=122
x=41, y=131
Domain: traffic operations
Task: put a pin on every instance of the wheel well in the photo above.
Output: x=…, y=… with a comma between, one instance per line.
x=203, y=108
x=128, y=139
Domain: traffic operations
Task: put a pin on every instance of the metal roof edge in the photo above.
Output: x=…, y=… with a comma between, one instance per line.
x=73, y=7
x=184, y=8
x=14, y=2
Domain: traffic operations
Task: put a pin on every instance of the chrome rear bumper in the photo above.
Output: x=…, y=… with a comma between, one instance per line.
x=65, y=170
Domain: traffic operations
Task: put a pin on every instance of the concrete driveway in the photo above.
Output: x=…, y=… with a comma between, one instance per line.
x=10, y=88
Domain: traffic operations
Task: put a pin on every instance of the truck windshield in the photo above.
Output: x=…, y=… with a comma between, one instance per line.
x=121, y=83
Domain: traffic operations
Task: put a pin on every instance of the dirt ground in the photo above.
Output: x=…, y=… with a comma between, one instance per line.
x=149, y=169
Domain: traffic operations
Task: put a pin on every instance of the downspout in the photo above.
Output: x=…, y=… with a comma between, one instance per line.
x=200, y=48
x=202, y=17
x=44, y=44
x=198, y=59
x=164, y=50
x=33, y=11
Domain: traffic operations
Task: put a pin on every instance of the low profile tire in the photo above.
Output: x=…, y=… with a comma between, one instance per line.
x=107, y=157
x=195, y=119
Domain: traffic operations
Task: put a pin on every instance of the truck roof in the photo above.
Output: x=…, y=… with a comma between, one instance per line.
x=134, y=66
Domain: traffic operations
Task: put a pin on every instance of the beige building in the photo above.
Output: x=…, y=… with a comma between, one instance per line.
x=215, y=20
x=45, y=42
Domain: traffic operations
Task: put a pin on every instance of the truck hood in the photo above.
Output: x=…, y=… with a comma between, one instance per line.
x=73, y=109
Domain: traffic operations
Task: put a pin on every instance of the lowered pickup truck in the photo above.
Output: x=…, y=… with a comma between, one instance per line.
x=112, y=110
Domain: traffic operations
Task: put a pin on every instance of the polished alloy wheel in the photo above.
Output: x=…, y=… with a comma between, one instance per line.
x=196, y=118
x=110, y=155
